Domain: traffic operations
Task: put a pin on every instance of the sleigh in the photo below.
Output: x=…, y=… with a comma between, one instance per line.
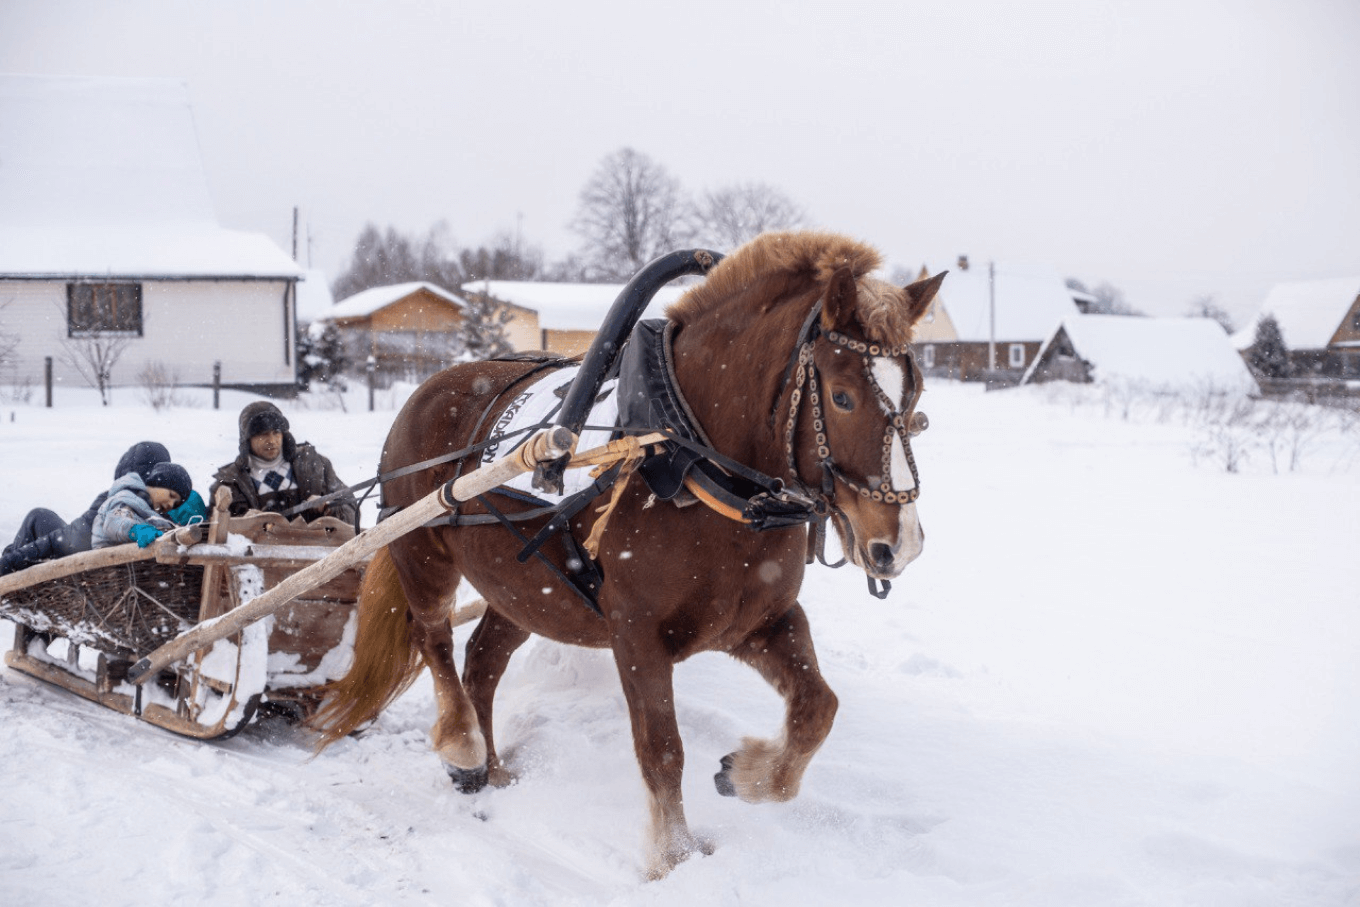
x=82, y=621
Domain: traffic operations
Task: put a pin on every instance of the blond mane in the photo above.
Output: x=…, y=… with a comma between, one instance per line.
x=781, y=265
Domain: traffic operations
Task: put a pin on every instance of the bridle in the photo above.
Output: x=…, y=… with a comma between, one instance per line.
x=805, y=377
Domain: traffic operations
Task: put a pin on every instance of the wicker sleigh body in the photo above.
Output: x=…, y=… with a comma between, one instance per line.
x=80, y=622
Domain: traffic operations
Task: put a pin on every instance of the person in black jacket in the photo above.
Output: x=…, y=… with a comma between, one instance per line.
x=45, y=536
x=274, y=473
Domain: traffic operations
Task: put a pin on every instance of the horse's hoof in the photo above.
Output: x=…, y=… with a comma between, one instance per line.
x=722, y=780
x=467, y=780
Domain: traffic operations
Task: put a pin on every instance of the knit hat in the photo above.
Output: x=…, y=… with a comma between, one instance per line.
x=171, y=476
x=140, y=458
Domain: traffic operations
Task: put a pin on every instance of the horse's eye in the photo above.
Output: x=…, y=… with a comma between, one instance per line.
x=917, y=423
x=842, y=401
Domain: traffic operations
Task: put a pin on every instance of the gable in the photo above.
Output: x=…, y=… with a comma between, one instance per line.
x=1312, y=314
x=1029, y=303
x=421, y=311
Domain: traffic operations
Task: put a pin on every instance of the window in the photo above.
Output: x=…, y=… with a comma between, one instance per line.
x=1017, y=354
x=928, y=356
x=103, y=308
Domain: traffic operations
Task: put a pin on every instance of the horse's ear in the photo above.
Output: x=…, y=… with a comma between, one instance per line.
x=920, y=294
x=840, y=305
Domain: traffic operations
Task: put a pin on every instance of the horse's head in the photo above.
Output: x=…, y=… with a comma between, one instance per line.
x=852, y=423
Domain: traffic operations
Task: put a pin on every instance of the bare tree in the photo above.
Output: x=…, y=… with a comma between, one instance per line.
x=733, y=215
x=93, y=356
x=504, y=257
x=1207, y=307
x=1110, y=301
x=384, y=258
x=630, y=211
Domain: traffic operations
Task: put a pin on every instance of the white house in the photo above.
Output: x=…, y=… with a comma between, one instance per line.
x=1159, y=353
x=569, y=314
x=108, y=239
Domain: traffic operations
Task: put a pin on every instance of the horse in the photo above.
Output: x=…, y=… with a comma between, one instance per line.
x=794, y=361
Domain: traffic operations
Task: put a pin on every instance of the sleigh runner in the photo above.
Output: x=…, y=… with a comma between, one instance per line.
x=82, y=621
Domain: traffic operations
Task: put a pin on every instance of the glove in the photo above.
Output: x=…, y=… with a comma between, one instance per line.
x=144, y=534
x=193, y=510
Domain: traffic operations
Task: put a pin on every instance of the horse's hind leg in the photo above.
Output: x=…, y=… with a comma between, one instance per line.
x=765, y=770
x=488, y=652
x=430, y=584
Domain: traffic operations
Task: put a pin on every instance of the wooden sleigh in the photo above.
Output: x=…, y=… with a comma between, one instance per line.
x=82, y=621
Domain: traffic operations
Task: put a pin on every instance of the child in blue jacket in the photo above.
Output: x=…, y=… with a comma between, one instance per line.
x=135, y=510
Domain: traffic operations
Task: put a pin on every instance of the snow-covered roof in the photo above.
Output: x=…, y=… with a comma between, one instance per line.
x=1308, y=312
x=314, y=299
x=369, y=301
x=568, y=306
x=1159, y=352
x=103, y=177
x=1030, y=302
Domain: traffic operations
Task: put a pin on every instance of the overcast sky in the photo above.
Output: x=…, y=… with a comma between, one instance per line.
x=1173, y=149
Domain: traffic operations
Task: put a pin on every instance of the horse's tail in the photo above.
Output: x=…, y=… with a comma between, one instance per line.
x=385, y=661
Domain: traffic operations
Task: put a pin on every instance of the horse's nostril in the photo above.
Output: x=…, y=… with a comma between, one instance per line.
x=881, y=553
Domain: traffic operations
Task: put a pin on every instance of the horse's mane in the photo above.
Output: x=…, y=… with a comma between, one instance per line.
x=779, y=266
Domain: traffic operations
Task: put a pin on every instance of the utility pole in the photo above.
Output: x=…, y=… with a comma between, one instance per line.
x=295, y=233
x=991, y=313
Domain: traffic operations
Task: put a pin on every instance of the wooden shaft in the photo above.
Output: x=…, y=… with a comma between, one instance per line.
x=561, y=441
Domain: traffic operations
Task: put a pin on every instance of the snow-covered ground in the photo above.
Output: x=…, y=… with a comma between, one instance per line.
x=1119, y=675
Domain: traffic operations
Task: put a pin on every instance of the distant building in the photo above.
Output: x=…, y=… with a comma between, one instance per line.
x=1158, y=353
x=569, y=314
x=975, y=313
x=410, y=329
x=1320, y=323
x=108, y=238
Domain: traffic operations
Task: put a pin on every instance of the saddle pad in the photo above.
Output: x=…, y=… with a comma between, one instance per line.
x=540, y=402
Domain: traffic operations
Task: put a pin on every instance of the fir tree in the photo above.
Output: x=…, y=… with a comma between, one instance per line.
x=321, y=356
x=1268, y=356
x=482, y=333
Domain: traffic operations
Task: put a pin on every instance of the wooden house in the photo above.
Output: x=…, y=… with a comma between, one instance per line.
x=410, y=329
x=1320, y=323
x=1159, y=354
x=988, y=324
x=111, y=255
x=569, y=314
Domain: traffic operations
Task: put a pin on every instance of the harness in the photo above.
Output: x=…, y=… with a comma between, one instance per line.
x=685, y=468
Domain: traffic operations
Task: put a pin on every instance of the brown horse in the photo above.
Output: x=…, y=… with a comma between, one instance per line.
x=676, y=580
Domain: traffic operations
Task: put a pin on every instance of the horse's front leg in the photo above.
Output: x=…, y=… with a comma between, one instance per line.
x=430, y=584
x=646, y=671
x=772, y=770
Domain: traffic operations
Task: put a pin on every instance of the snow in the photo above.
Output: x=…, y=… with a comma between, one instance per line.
x=1309, y=312
x=1158, y=352
x=1117, y=675
x=569, y=306
x=103, y=177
